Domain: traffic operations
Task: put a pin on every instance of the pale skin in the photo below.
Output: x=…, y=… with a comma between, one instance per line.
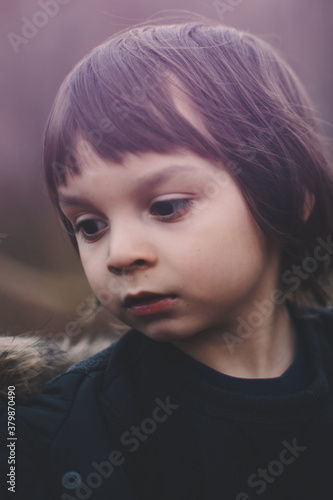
x=156, y=223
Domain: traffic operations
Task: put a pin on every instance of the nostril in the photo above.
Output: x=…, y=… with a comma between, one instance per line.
x=139, y=262
x=118, y=271
x=115, y=270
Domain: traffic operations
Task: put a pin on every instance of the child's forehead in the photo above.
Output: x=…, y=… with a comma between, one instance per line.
x=144, y=164
x=140, y=171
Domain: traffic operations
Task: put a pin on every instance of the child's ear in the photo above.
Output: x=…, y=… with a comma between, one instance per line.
x=309, y=202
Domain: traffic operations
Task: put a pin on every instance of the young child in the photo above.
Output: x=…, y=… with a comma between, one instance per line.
x=186, y=166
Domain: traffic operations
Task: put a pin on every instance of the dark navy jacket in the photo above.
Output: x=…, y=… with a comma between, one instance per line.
x=141, y=420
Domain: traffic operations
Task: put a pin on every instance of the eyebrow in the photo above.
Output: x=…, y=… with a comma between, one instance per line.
x=148, y=181
x=70, y=201
x=152, y=180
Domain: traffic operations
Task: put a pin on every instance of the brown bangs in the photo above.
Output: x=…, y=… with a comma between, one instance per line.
x=256, y=120
x=119, y=100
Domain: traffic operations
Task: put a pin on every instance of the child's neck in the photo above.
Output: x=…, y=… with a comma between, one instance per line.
x=266, y=353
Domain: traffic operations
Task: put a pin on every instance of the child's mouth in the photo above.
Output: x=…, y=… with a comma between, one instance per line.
x=146, y=303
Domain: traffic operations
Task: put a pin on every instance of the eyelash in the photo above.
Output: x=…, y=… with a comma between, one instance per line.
x=180, y=207
x=81, y=229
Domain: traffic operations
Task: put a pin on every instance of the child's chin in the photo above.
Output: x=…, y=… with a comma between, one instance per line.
x=165, y=334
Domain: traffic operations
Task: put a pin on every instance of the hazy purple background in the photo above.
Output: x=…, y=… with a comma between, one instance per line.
x=41, y=280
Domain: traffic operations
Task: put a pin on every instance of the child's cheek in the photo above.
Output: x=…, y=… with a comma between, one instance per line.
x=92, y=267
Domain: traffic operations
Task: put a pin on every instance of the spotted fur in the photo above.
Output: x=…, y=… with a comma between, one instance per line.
x=28, y=362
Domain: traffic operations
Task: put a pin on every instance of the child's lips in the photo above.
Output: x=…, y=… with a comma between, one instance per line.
x=145, y=303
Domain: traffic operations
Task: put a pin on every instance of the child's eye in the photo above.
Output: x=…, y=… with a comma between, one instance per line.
x=89, y=228
x=170, y=209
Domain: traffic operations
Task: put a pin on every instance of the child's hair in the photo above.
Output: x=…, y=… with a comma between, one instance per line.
x=257, y=117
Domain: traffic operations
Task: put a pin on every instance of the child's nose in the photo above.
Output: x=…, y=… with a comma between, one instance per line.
x=129, y=249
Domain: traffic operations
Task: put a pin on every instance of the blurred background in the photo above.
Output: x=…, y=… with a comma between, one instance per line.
x=42, y=285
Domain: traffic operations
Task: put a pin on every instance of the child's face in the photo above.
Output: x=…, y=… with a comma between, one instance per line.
x=173, y=225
